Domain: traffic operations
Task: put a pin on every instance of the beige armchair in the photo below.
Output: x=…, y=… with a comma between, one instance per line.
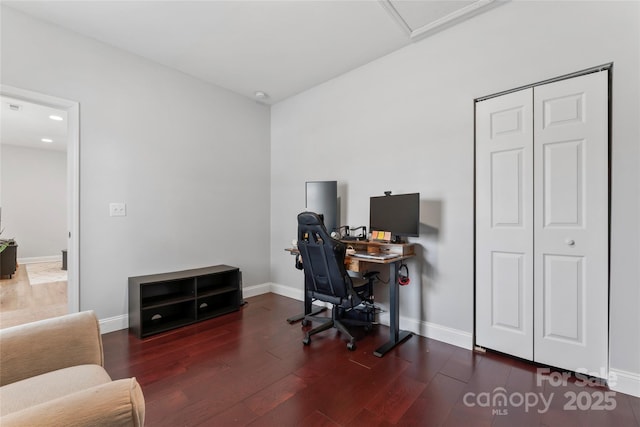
x=51, y=373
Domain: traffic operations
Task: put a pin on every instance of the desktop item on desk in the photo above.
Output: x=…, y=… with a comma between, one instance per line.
x=349, y=238
x=374, y=255
x=362, y=235
x=341, y=233
x=345, y=233
x=381, y=236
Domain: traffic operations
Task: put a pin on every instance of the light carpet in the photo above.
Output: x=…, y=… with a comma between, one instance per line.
x=46, y=272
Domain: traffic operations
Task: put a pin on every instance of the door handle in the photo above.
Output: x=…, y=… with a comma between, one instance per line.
x=570, y=242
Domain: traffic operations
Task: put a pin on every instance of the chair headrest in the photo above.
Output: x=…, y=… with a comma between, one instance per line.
x=309, y=218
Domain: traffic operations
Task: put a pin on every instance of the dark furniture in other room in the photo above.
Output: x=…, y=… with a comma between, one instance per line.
x=8, y=261
x=64, y=259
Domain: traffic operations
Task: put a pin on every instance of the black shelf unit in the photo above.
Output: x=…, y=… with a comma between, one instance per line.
x=161, y=302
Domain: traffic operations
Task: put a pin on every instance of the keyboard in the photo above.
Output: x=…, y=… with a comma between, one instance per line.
x=378, y=256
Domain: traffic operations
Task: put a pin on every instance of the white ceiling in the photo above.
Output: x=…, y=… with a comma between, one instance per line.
x=26, y=124
x=278, y=47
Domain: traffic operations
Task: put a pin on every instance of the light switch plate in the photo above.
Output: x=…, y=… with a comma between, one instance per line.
x=117, y=209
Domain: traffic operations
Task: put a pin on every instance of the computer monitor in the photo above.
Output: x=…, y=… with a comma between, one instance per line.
x=398, y=214
x=322, y=198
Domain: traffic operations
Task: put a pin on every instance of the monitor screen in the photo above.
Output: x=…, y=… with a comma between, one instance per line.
x=322, y=198
x=398, y=214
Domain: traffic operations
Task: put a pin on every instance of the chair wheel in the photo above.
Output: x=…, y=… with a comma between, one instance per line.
x=306, y=322
x=351, y=346
x=306, y=340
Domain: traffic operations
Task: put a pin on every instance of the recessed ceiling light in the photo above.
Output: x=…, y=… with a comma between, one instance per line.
x=47, y=140
x=56, y=118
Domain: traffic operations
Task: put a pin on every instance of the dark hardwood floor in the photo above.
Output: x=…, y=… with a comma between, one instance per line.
x=251, y=368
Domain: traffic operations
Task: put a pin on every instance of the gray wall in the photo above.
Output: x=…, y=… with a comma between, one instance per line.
x=405, y=123
x=34, y=199
x=188, y=159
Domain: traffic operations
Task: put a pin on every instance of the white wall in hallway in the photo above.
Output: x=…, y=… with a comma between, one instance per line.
x=34, y=199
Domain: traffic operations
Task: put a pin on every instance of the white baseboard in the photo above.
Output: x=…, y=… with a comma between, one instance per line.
x=255, y=290
x=287, y=291
x=426, y=329
x=112, y=324
x=37, y=259
x=438, y=332
x=625, y=382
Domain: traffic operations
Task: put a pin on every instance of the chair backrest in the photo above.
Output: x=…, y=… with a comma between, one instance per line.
x=323, y=256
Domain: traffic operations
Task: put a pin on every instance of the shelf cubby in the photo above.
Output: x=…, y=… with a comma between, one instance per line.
x=161, y=302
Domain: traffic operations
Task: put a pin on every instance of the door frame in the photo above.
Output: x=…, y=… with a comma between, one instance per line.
x=604, y=67
x=73, y=182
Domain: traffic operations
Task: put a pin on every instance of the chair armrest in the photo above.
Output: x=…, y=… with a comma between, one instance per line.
x=47, y=345
x=118, y=403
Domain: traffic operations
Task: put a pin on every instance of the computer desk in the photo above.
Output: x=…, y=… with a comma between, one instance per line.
x=354, y=263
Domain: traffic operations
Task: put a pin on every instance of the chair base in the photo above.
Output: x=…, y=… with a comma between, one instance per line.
x=336, y=321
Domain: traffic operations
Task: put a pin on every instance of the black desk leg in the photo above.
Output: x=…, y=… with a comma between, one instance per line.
x=396, y=336
x=308, y=311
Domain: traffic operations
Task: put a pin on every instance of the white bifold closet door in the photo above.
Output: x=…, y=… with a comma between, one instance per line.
x=542, y=215
x=504, y=223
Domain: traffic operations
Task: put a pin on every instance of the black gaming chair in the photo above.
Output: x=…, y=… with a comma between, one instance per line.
x=326, y=278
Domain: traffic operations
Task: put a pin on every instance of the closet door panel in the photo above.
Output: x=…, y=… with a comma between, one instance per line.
x=563, y=295
x=563, y=184
x=504, y=224
x=571, y=223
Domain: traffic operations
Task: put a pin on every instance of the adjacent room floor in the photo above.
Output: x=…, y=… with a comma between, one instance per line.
x=37, y=294
x=251, y=368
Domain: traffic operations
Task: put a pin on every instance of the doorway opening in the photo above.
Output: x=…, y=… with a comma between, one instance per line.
x=65, y=112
